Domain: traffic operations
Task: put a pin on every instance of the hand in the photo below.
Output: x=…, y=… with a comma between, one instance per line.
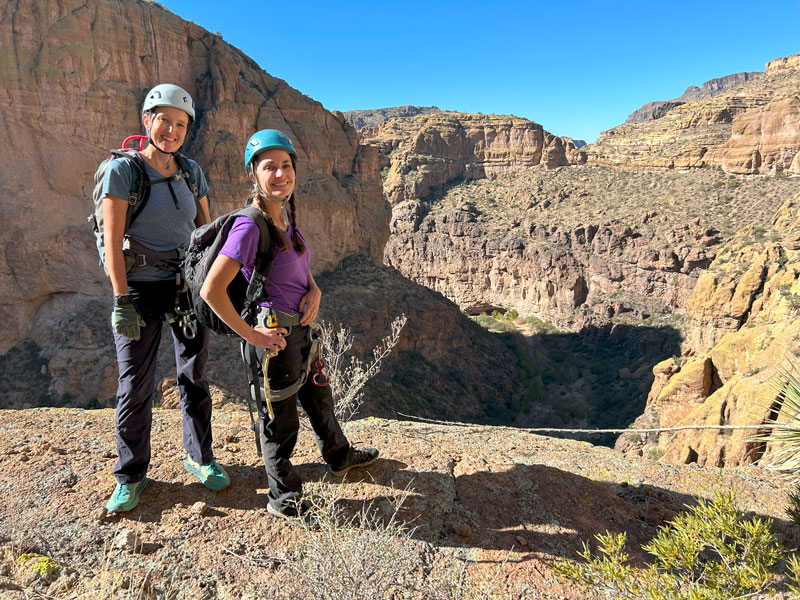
x=268, y=338
x=309, y=306
x=126, y=321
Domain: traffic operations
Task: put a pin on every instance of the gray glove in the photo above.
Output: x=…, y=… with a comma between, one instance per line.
x=125, y=319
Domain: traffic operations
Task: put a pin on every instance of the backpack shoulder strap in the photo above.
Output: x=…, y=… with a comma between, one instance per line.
x=188, y=176
x=265, y=258
x=138, y=191
x=264, y=239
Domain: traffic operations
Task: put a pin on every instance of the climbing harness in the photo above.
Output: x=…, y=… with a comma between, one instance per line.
x=260, y=393
x=137, y=256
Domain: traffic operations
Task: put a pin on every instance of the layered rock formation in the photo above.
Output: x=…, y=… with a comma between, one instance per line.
x=743, y=325
x=575, y=246
x=431, y=150
x=361, y=119
x=541, y=269
x=748, y=128
x=655, y=110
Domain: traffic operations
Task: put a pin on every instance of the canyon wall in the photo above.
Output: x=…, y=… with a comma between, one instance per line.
x=431, y=150
x=743, y=327
x=748, y=128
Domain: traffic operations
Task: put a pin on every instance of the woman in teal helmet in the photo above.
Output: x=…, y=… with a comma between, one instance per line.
x=285, y=329
x=142, y=256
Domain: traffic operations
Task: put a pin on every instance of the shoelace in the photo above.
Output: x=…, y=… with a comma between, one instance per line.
x=123, y=492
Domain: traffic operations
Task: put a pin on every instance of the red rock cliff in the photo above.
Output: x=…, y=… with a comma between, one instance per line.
x=74, y=76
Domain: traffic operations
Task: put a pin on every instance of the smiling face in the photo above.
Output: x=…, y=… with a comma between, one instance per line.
x=274, y=172
x=167, y=127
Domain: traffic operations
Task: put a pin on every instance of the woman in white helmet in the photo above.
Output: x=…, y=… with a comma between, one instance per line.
x=142, y=256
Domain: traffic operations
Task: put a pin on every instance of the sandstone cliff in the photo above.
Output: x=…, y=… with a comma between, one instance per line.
x=743, y=326
x=576, y=246
x=361, y=119
x=655, y=110
x=748, y=128
x=431, y=150
x=484, y=510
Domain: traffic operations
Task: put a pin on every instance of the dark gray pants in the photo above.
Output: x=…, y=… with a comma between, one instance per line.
x=136, y=388
x=279, y=435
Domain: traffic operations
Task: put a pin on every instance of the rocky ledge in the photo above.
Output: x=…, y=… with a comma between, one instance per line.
x=484, y=508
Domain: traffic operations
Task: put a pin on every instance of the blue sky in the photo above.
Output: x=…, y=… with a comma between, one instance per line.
x=576, y=67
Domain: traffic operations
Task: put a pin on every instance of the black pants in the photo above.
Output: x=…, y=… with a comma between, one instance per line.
x=136, y=387
x=279, y=435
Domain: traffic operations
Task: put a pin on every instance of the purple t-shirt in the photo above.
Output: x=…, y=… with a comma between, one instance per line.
x=288, y=282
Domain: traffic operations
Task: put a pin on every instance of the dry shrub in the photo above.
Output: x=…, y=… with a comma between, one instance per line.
x=367, y=555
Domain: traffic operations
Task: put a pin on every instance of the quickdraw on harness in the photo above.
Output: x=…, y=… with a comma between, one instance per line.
x=259, y=392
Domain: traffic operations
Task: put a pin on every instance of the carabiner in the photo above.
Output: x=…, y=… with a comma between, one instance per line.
x=188, y=327
x=319, y=378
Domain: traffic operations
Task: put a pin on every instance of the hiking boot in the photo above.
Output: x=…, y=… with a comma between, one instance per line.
x=125, y=496
x=355, y=458
x=299, y=512
x=210, y=474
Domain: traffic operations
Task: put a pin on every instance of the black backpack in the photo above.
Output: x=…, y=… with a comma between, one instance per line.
x=204, y=247
x=138, y=193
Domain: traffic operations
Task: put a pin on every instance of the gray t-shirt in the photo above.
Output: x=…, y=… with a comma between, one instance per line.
x=161, y=225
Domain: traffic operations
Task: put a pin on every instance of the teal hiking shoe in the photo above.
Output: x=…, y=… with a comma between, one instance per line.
x=125, y=496
x=210, y=475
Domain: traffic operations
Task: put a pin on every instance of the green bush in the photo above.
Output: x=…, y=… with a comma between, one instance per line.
x=709, y=552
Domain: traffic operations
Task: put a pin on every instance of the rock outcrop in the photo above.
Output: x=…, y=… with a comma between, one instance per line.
x=541, y=269
x=749, y=127
x=431, y=150
x=763, y=140
x=743, y=325
x=576, y=246
x=361, y=119
x=655, y=110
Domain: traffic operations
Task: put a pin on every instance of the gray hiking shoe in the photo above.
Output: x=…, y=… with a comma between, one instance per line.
x=296, y=511
x=354, y=459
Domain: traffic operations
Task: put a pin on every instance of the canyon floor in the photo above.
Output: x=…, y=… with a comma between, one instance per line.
x=476, y=509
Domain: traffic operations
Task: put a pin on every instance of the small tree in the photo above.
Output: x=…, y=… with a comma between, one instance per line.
x=348, y=374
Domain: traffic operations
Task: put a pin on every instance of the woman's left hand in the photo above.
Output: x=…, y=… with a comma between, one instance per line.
x=309, y=305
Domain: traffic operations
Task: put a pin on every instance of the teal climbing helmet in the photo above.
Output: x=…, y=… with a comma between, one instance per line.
x=267, y=139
